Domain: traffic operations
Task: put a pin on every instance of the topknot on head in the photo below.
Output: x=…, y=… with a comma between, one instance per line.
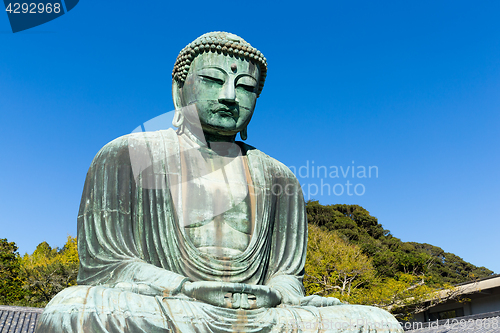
x=223, y=43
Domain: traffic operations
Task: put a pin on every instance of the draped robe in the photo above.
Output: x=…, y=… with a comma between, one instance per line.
x=134, y=253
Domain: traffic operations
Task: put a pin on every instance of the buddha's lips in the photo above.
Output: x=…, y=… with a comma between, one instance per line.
x=226, y=112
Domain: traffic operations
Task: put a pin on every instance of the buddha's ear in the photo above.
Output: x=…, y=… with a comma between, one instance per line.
x=176, y=95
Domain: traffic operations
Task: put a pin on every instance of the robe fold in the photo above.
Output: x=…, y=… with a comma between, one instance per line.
x=135, y=255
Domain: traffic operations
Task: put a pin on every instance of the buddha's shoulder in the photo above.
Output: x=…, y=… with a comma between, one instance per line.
x=157, y=141
x=136, y=141
x=125, y=141
x=268, y=162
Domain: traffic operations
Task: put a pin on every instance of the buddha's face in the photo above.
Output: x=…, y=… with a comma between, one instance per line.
x=224, y=90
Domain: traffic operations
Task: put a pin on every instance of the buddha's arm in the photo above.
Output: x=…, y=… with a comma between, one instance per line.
x=110, y=262
x=289, y=286
x=118, y=240
x=147, y=279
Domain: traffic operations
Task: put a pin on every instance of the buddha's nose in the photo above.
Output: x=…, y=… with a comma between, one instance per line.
x=228, y=93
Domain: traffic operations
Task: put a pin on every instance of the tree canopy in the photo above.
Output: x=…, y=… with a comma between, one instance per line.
x=389, y=254
x=352, y=257
x=32, y=280
x=48, y=271
x=10, y=268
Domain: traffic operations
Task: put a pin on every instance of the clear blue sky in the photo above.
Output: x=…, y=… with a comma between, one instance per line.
x=409, y=87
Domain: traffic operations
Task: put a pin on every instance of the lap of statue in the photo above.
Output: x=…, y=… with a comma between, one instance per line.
x=101, y=309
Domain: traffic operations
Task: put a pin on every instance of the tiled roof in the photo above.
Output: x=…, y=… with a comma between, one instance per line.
x=16, y=319
x=483, y=284
x=480, y=323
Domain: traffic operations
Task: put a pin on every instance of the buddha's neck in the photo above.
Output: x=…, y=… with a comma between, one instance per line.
x=222, y=146
x=205, y=138
x=219, y=138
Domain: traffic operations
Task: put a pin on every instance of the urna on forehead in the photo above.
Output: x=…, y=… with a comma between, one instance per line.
x=222, y=43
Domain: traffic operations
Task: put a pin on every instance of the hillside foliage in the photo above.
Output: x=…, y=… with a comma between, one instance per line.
x=352, y=257
x=389, y=254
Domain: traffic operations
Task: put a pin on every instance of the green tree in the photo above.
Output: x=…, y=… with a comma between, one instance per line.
x=390, y=256
x=333, y=266
x=449, y=268
x=11, y=292
x=48, y=271
x=338, y=268
x=352, y=257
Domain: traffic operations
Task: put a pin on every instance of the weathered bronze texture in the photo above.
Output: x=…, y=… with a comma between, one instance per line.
x=193, y=231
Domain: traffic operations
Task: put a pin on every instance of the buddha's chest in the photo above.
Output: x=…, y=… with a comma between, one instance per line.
x=217, y=214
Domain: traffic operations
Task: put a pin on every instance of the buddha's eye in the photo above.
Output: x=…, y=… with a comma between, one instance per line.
x=246, y=87
x=247, y=83
x=212, y=79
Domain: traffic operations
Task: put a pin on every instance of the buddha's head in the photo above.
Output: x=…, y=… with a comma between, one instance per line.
x=222, y=76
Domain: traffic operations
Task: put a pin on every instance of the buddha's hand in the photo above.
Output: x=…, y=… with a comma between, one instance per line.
x=232, y=295
x=319, y=301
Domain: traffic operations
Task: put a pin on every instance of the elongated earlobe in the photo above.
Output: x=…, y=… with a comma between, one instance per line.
x=176, y=95
x=178, y=118
x=244, y=134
